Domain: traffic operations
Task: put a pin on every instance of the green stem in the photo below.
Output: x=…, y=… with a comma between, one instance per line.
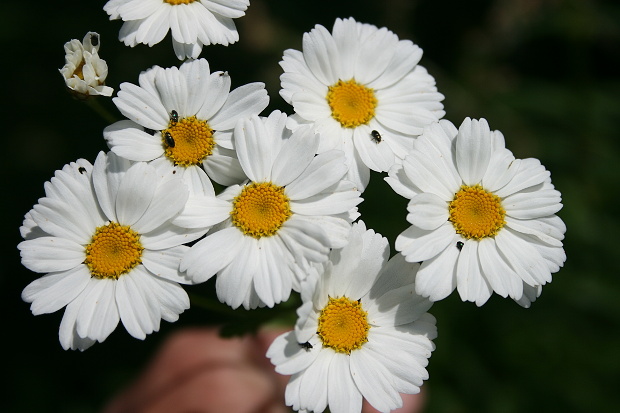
x=94, y=104
x=212, y=305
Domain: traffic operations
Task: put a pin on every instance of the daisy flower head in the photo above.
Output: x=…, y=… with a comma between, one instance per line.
x=104, y=238
x=184, y=116
x=362, y=331
x=362, y=89
x=193, y=23
x=84, y=71
x=481, y=220
x=293, y=208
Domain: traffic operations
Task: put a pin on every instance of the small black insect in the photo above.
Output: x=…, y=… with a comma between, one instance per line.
x=94, y=40
x=306, y=346
x=376, y=136
x=169, y=139
x=459, y=245
x=81, y=169
x=174, y=116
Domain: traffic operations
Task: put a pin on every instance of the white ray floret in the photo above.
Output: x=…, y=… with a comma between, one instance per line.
x=104, y=238
x=291, y=211
x=482, y=221
x=362, y=331
x=185, y=116
x=363, y=90
x=84, y=71
x=192, y=23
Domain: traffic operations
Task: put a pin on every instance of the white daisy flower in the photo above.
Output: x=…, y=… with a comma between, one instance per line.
x=186, y=116
x=193, y=23
x=362, y=89
x=292, y=210
x=362, y=332
x=103, y=235
x=482, y=221
x=84, y=71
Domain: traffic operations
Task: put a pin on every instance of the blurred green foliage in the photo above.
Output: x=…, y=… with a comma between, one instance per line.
x=544, y=72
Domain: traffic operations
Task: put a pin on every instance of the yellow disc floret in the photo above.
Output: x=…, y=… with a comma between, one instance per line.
x=188, y=142
x=260, y=209
x=343, y=325
x=352, y=104
x=113, y=251
x=177, y=2
x=476, y=213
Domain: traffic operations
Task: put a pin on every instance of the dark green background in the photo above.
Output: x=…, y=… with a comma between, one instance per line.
x=543, y=72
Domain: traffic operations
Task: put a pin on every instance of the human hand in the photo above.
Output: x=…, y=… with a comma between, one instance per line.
x=198, y=371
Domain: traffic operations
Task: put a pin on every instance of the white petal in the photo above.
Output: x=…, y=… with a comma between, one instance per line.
x=165, y=263
x=374, y=381
x=234, y=280
x=470, y=283
x=135, y=193
x=98, y=315
x=378, y=156
x=255, y=154
x=210, y=255
x=295, y=155
x=67, y=334
x=473, y=150
x=243, y=102
x=49, y=254
x=436, y=278
x=138, y=309
x=497, y=272
x=537, y=204
x=427, y=211
x=168, y=201
x=141, y=107
x=314, y=382
x=168, y=236
x=305, y=240
x=223, y=167
x=126, y=139
x=320, y=51
x=288, y=357
x=419, y=245
x=108, y=173
x=54, y=291
x=328, y=204
x=523, y=257
x=342, y=393
x=324, y=170
x=203, y=212
x=549, y=229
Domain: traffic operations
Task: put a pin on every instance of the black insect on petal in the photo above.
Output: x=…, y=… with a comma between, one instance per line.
x=376, y=136
x=459, y=245
x=81, y=169
x=94, y=40
x=306, y=346
x=174, y=116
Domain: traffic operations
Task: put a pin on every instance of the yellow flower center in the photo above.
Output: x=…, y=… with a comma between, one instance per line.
x=352, y=104
x=113, y=251
x=343, y=325
x=476, y=213
x=177, y=2
x=188, y=141
x=260, y=209
x=79, y=70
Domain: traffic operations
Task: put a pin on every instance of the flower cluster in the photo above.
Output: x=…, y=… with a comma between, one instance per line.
x=116, y=239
